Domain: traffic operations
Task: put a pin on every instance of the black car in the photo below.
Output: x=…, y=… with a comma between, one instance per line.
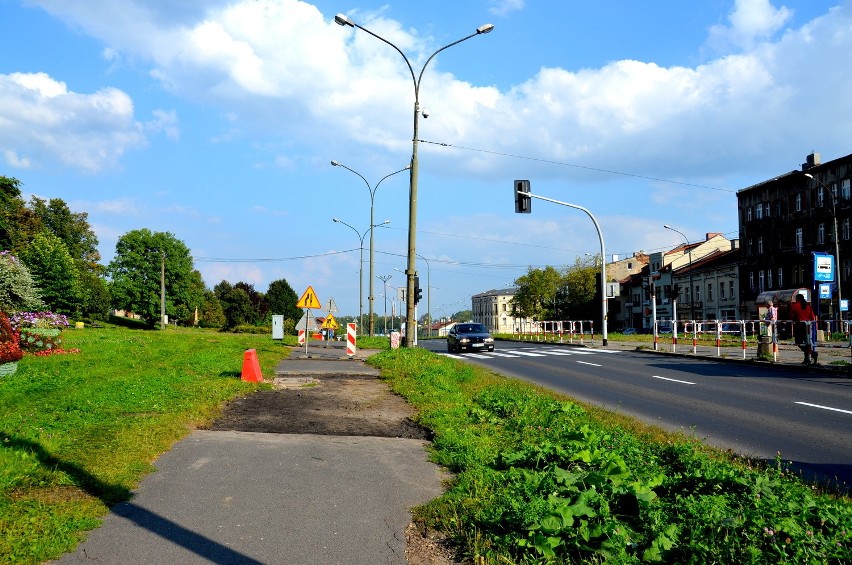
x=470, y=337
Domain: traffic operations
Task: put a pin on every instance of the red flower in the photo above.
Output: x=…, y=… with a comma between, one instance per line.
x=10, y=347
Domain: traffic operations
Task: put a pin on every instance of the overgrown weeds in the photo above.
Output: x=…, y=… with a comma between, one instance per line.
x=540, y=479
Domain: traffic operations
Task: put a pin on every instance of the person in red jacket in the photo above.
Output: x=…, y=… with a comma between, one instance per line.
x=801, y=313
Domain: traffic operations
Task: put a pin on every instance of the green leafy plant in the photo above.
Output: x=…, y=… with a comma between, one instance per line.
x=10, y=349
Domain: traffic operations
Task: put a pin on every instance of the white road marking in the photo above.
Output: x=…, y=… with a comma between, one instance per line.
x=587, y=363
x=527, y=353
x=502, y=354
x=672, y=380
x=825, y=407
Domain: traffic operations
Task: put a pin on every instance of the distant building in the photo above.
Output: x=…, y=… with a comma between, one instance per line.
x=494, y=309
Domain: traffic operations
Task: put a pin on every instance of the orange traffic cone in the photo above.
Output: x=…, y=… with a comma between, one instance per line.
x=251, y=367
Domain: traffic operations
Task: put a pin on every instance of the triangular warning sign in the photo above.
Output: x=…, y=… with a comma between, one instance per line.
x=309, y=299
x=330, y=323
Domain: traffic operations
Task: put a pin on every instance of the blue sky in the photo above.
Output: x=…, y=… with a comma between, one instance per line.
x=217, y=120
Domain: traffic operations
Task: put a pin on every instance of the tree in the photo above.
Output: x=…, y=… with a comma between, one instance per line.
x=210, y=313
x=18, y=291
x=536, y=292
x=55, y=273
x=95, y=297
x=259, y=304
x=282, y=300
x=236, y=304
x=18, y=224
x=72, y=228
x=135, y=273
x=580, y=284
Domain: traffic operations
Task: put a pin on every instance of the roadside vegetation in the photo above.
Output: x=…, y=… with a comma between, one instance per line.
x=540, y=479
x=80, y=428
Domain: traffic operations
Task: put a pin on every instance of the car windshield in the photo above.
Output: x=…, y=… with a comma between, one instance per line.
x=471, y=329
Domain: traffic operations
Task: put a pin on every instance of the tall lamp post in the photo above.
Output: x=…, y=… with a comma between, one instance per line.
x=360, y=267
x=372, y=190
x=385, y=279
x=428, y=293
x=411, y=269
x=691, y=290
x=836, y=241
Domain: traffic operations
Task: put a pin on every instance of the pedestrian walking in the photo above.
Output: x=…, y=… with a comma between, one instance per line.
x=804, y=328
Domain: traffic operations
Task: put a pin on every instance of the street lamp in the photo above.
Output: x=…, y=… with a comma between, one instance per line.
x=836, y=241
x=385, y=279
x=411, y=269
x=372, y=190
x=428, y=293
x=360, y=268
x=691, y=290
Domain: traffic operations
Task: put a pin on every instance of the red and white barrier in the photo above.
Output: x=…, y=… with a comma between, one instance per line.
x=350, y=339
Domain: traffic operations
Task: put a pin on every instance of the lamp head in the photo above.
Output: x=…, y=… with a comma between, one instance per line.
x=810, y=176
x=481, y=29
x=335, y=163
x=342, y=20
x=668, y=227
x=335, y=220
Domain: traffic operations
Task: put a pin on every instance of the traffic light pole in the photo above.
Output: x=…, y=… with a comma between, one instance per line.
x=523, y=205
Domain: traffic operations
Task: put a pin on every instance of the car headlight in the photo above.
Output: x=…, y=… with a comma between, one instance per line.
x=464, y=340
x=488, y=340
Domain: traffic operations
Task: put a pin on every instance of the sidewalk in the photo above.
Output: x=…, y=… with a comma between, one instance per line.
x=251, y=498
x=833, y=356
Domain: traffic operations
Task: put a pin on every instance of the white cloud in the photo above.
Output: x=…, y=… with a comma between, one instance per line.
x=751, y=21
x=504, y=7
x=39, y=116
x=280, y=68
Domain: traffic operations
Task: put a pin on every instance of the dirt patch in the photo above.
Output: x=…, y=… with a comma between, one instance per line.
x=330, y=405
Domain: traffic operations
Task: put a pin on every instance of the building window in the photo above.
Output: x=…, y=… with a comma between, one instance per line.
x=768, y=278
x=799, y=240
x=748, y=214
x=845, y=228
x=766, y=209
x=732, y=294
x=709, y=292
x=780, y=277
x=834, y=191
x=698, y=293
x=721, y=291
x=760, y=281
x=845, y=190
x=778, y=208
x=751, y=279
x=760, y=245
x=820, y=196
x=798, y=202
x=758, y=211
x=821, y=233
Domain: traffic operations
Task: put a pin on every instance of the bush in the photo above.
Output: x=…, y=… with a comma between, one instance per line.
x=10, y=348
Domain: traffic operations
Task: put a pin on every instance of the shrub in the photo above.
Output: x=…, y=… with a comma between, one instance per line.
x=10, y=348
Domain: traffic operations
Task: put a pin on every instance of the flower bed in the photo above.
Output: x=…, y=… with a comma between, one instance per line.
x=39, y=331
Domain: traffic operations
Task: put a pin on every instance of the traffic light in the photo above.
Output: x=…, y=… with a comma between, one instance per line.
x=523, y=203
x=418, y=292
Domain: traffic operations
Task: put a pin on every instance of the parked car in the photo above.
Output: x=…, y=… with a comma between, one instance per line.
x=629, y=331
x=470, y=337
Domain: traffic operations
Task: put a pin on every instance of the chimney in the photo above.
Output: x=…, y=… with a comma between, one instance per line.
x=811, y=161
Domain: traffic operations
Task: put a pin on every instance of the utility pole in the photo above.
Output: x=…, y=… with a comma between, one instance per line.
x=162, y=290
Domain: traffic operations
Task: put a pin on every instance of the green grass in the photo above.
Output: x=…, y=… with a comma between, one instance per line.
x=541, y=479
x=78, y=431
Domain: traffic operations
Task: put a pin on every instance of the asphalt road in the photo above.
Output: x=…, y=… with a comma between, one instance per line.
x=755, y=410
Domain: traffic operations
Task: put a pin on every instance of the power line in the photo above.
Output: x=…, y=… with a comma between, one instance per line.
x=576, y=166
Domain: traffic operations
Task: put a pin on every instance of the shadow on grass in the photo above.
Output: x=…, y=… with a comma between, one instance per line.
x=118, y=498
